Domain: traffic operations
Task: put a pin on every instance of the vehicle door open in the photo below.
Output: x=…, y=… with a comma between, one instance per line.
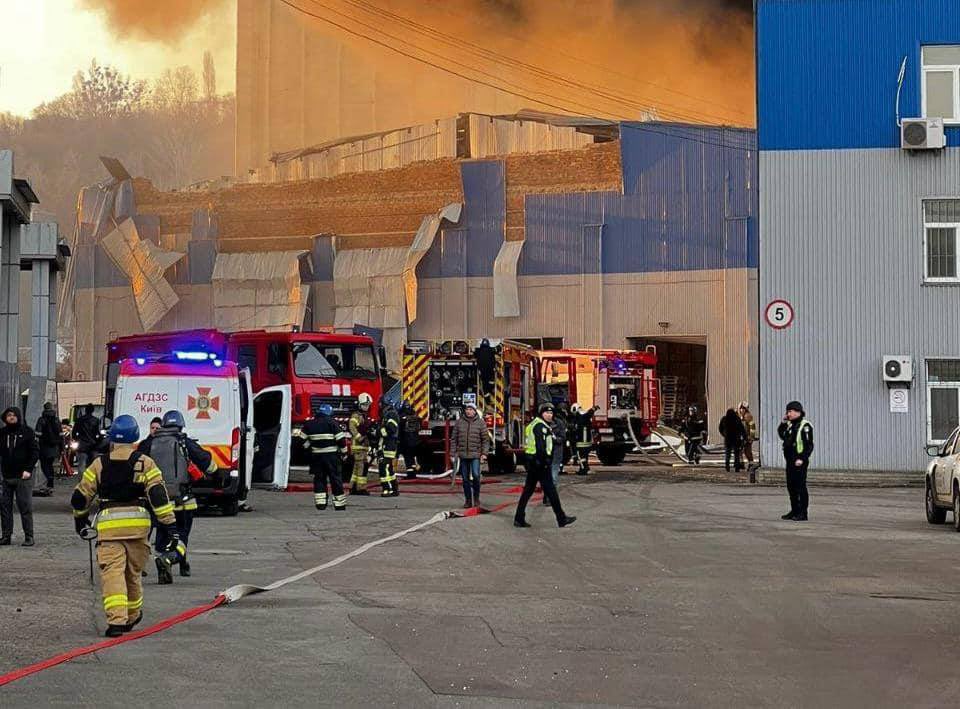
x=271, y=427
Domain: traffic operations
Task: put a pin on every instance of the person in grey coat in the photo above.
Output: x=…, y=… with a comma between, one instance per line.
x=559, y=427
x=470, y=443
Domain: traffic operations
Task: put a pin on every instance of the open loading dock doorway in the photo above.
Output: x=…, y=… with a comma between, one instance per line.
x=682, y=370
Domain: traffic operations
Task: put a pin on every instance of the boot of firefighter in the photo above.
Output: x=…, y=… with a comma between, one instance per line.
x=164, y=566
x=320, y=500
x=340, y=503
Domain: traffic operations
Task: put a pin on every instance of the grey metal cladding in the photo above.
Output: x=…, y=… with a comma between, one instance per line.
x=842, y=240
x=201, y=256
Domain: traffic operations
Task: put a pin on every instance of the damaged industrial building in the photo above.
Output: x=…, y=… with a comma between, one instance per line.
x=557, y=231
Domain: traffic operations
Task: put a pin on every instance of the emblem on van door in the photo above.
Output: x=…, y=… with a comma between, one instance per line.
x=203, y=403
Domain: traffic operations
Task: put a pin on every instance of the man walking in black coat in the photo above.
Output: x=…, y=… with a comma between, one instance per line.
x=734, y=434
x=18, y=457
x=50, y=440
x=86, y=432
x=797, y=436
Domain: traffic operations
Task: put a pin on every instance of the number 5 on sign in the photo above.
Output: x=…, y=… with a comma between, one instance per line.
x=779, y=314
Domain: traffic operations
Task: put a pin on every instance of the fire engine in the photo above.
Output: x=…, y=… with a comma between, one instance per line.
x=499, y=376
x=620, y=385
x=318, y=367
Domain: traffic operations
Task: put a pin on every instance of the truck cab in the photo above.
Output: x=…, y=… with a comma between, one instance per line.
x=319, y=367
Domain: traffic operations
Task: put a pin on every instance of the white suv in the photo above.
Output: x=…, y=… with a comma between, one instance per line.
x=943, y=481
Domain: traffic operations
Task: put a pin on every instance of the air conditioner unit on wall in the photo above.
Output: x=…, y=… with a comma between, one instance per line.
x=922, y=134
x=898, y=370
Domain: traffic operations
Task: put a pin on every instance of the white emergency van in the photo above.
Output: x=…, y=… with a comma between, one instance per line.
x=247, y=436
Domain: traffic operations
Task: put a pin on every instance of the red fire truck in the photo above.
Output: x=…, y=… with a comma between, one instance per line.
x=621, y=385
x=498, y=376
x=319, y=367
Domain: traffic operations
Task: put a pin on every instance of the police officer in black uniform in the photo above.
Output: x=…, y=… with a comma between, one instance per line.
x=538, y=448
x=797, y=436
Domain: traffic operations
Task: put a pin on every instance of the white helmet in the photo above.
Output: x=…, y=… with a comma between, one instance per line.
x=745, y=405
x=575, y=409
x=365, y=401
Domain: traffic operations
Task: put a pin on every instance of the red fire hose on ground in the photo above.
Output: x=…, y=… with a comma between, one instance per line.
x=235, y=593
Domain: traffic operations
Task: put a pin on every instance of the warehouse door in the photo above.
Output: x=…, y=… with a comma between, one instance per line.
x=682, y=370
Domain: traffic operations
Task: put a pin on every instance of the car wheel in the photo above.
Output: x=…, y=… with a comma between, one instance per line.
x=230, y=507
x=956, y=507
x=936, y=515
x=611, y=456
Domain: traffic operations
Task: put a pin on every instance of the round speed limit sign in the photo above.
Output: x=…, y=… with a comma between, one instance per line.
x=779, y=314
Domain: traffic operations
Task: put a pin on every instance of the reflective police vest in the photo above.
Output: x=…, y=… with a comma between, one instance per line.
x=530, y=439
x=798, y=444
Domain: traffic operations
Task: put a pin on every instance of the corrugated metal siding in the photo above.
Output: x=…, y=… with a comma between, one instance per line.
x=827, y=70
x=689, y=204
x=843, y=242
x=471, y=248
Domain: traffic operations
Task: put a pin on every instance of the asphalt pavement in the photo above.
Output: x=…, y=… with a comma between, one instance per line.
x=662, y=594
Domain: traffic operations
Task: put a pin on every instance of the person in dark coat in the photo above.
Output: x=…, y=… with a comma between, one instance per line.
x=50, y=440
x=18, y=457
x=86, y=432
x=734, y=434
x=796, y=432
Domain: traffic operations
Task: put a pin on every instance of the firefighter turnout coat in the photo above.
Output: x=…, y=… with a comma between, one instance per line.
x=126, y=486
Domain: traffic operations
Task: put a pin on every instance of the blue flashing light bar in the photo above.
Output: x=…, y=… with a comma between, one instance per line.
x=194, y=356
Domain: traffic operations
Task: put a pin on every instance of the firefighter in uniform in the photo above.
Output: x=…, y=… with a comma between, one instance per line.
x=582, y=435
x=359, y=425
x=126, y=482
x=389, y=443
x=538, y=447
x=173, y=452
x=327, y=443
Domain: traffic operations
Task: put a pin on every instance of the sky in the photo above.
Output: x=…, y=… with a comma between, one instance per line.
x=47, y=41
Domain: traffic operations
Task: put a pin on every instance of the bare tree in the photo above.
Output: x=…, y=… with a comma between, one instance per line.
x=99, y=92
x=209, y=76
x=176, y=91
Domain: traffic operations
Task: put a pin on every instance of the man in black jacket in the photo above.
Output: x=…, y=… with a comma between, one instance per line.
x=86, y=432
x=797, y=436
x=50, y=440
x=18, y=457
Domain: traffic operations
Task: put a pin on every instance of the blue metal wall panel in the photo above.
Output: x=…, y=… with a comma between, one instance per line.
x=555, y=233
x=827, y=70
x=322, y=258
x=201, y=256
x=471, y=248
x=687, y=190
x=484, y=213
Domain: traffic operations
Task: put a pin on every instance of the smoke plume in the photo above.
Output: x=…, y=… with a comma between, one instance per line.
x=153, y=20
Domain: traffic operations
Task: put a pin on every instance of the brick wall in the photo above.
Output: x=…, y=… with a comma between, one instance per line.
x=370, y=208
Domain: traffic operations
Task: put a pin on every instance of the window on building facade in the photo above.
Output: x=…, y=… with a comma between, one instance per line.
x=941, y=82
x=941, y=221
x=943, y=398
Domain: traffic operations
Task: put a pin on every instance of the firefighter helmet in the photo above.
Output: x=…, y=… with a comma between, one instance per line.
x=325, y=410
x=124, y=429
x=364, y=401
x=544, y=408
x=173, y=418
